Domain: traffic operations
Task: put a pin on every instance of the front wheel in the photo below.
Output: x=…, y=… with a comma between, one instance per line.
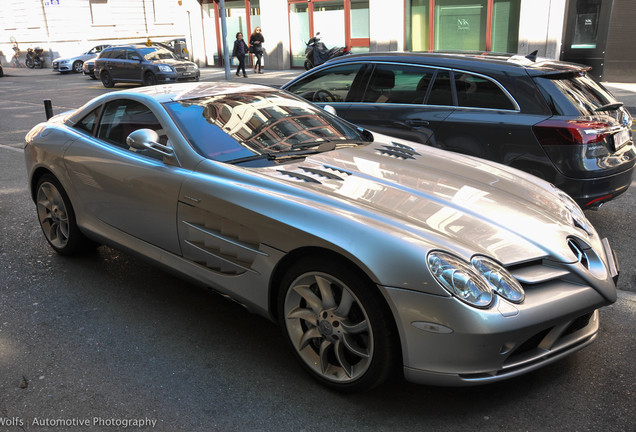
x=337, y=325
x=77, y=66
x=29, y=63
x=57, y=218
x=150, y=79
x=308, y=65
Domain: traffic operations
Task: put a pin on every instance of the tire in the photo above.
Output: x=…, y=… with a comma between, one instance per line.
x=29, y=63
x=308, y=65
x=57, y=218
x=150, y=79
x=107, y=80
x=77, y=66
x=337, y=324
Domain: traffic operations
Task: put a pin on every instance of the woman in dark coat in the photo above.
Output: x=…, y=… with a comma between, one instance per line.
x=239, y=51
x=256, y=43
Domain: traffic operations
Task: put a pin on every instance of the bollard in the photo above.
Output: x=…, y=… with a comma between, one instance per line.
x=48, y=108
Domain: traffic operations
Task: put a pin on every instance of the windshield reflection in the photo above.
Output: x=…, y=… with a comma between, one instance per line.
x=231, y=126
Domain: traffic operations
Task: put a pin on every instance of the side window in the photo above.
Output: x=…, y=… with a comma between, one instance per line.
x=106, y=54
x=479, y=92
x=118, y=54
x=132, y=55
x=122, y=117
x=400, y=84
x=441, y=93
x=336, y=84
x=87, y=124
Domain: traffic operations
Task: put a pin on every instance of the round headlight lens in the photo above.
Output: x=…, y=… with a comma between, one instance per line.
x=499, y=279
x=460, y=279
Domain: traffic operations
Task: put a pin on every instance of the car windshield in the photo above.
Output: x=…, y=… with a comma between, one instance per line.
x=236, y=126
x=156, y=53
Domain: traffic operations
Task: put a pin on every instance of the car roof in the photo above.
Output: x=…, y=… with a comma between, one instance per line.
x=473, y=60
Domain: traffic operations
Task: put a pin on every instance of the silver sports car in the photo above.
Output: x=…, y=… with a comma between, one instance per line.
x=374, y=254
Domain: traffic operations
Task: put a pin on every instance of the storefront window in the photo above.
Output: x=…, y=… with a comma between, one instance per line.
x=329, y=21
x=505, y=26
x=299, y=30
x=419, y=26
x=586, y=24
x=359, y=19
x=460, y=24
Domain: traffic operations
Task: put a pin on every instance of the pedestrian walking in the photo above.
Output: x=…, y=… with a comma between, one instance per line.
x=256, y=47
x=239, y=51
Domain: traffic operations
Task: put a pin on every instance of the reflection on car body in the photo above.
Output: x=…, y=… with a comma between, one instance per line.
x=373, y=253
x=542, y=116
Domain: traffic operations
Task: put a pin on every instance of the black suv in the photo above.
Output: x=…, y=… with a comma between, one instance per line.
x=148, y=64
x=545, y=117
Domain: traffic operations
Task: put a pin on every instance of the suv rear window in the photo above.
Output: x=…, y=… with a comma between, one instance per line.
x=575, y=95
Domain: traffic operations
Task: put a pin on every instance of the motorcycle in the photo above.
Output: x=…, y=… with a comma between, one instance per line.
x=317, y=53
x=34, y=58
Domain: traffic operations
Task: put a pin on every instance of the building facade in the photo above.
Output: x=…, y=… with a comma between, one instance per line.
x=587, y=31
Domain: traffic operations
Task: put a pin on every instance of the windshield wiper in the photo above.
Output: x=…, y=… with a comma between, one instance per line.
x=610, y=106
x=284, y=155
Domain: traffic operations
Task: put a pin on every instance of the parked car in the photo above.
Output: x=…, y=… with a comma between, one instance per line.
x=88, y=68
x=545, y=117
x=74, y=64
x=1, y=71
x=147, y=64
x=373, y=253
x=178, y=46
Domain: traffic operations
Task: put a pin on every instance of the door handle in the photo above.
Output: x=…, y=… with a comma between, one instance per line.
x=417, y=123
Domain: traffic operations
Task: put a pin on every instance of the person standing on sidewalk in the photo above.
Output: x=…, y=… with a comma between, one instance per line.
x=256, y=45
x=239, y=51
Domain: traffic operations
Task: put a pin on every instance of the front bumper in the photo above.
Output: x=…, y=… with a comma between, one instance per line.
x=172, y=77
x=62, y=67
x=446, y=342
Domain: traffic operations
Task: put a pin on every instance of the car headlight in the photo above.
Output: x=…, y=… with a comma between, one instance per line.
x=164, y=68
x=460, y=279
x=499, y=279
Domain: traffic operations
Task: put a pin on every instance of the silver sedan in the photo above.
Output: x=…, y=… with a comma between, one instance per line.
x=374, y=254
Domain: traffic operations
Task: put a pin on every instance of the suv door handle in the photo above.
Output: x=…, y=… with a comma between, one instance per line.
x=417, y=123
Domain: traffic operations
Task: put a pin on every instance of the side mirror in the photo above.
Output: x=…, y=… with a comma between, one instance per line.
x=330, y=109
x=147, y=139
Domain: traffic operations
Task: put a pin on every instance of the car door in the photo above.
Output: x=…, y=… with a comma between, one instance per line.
x=132, y=191
x=131, y=68
x=406, y=101
x=488, y=124
x=114, y=63
x=336, y=86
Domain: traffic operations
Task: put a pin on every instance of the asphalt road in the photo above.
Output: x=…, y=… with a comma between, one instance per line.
x=107, y=341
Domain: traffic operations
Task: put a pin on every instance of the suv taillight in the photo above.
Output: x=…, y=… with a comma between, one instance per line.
x=572, y=132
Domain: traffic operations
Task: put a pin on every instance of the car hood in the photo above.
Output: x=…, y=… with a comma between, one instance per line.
x=171, y=62
x=455, y=202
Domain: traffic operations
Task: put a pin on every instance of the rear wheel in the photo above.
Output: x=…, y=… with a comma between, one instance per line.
x=107, y=80
x=57, y=218
x=337, y=325
x=77, y=66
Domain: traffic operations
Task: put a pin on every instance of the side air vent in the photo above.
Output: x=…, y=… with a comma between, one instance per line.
x=322, y=173
x=396, y=150
x=299, y=176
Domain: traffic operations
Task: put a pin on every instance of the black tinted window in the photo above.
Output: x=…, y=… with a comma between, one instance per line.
x=329, y=85
x=106, y=54
x=581, y=93
x=479, y=92
x=401, y=84
x=441, y=93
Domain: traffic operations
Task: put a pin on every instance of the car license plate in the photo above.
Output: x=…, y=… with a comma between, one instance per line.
x=187, y=73
x=621, y=138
